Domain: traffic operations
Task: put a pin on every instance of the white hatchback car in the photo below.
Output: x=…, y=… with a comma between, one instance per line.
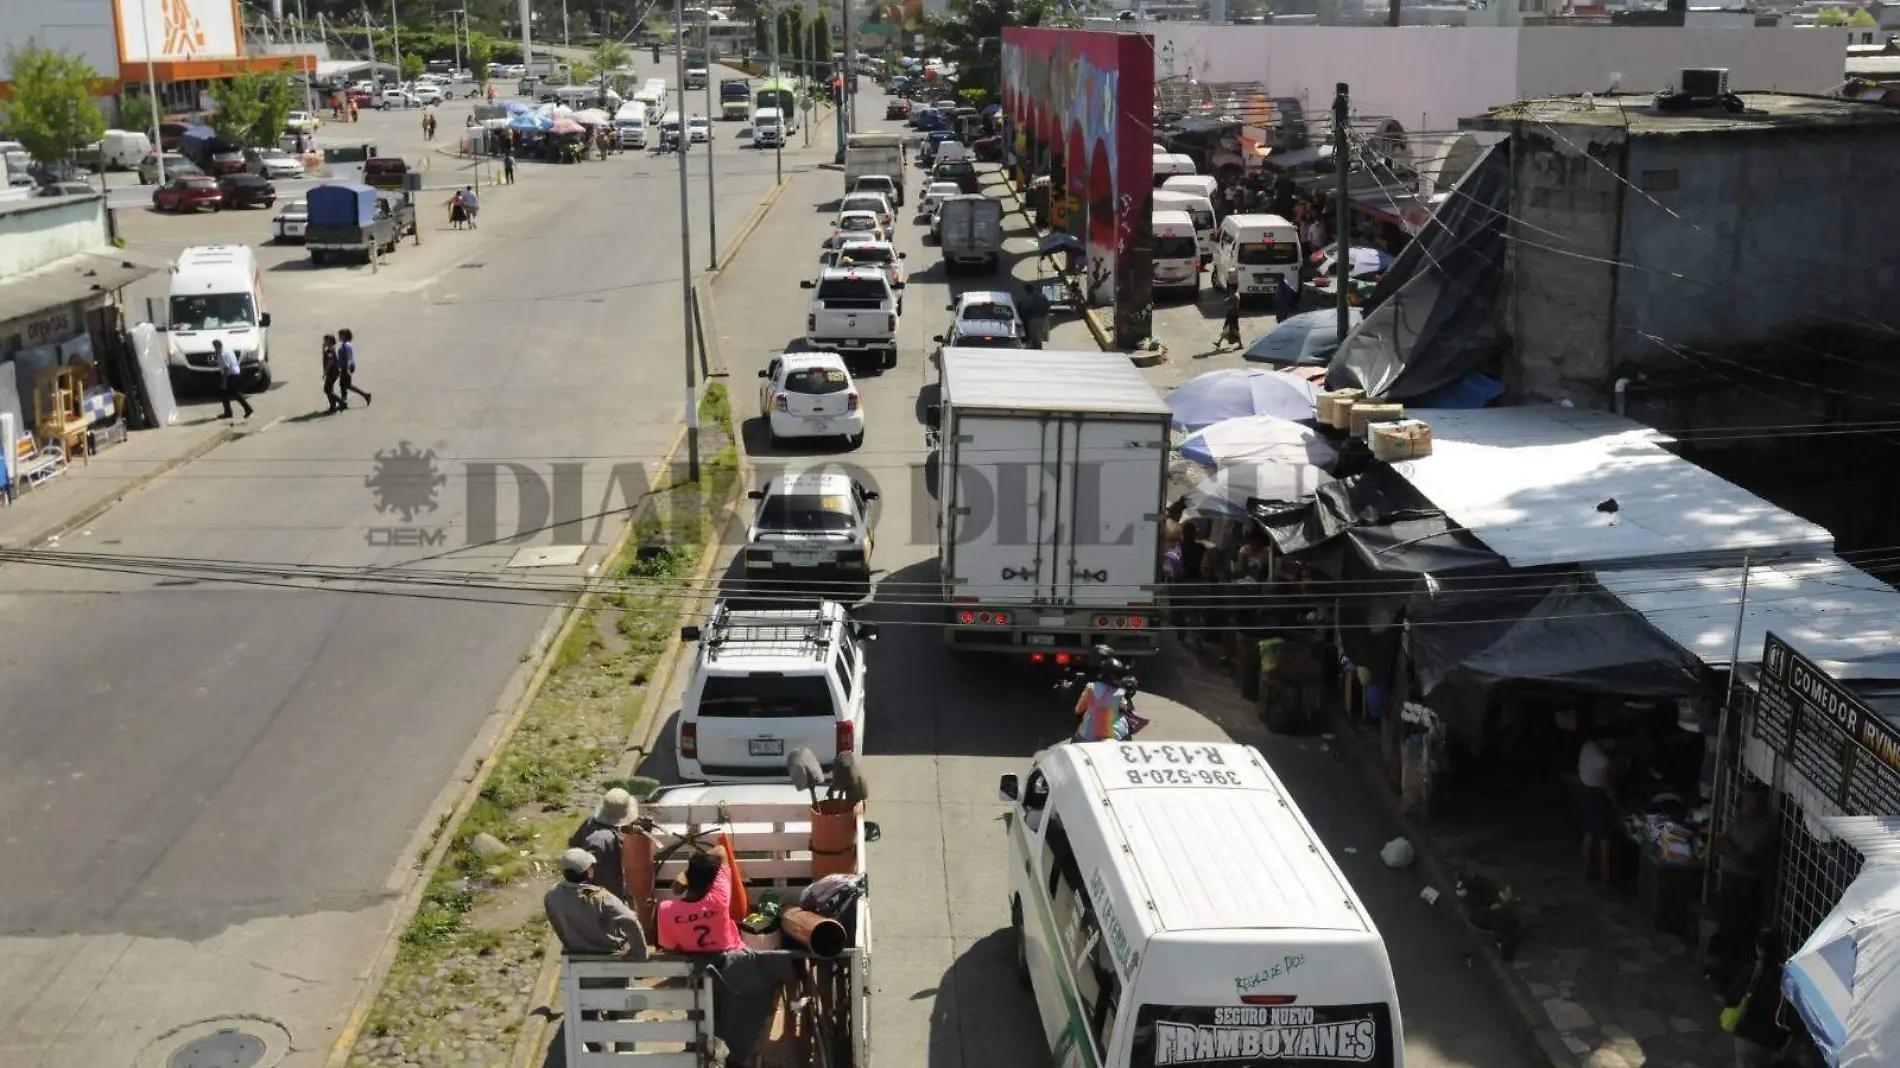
x=980, y=311
x=934, y=195
x=767, y=682
x=698, y=129
x=810, y=395
x=871, y=202
x=815, y=524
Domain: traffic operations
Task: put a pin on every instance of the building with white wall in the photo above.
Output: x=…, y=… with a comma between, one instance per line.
x=1427, y=78
x=179, y=44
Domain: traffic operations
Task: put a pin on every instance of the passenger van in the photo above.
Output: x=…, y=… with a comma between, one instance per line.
x=1199, y=208
x=1257, y=252
x=630, y=123
x=1175, y=908
x=1177, y=255
x=1204, y=184
x=217, y=294
x=1168, y=165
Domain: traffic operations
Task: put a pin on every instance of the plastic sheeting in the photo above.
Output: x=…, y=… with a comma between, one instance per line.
x=1845, y=981
x=148, y=349
x=1308, y=339
x=1375, y=525
x=1433, y=318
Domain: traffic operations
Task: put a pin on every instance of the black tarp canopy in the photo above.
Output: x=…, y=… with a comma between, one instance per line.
x=1433, y=318
x=1374, y=525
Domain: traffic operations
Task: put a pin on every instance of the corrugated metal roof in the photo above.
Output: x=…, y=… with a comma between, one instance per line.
x=1833, y=613
x=1222, y=858
x=1533, y=483
x=1059, y=381
x=74, y=278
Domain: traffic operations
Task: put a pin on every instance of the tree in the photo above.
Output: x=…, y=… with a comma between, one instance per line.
x=412, y=66
x=238, y=106
x=971, y=37
x=51, y=111
x=481, y=52
x=1862, y=20
x=611, y=54
x=821, y=39
x=580, y=72
x=1831, y=16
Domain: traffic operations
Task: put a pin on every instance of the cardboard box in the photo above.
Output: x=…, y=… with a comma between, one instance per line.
x=1334, y=407
x=1408, y=439
x=1364, y=415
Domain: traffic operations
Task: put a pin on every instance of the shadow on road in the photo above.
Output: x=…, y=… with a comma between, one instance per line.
x=983, y=1013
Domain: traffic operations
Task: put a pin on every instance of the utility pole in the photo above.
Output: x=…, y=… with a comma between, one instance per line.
x=564, y=41
x=686, y=253
x=395, y=37
x=1342, y=222
x=455, y=32
x=844, y=85
x=850, y=67
x=151, y=88
x=712, y=201
x=778, y=143
x=527, y=49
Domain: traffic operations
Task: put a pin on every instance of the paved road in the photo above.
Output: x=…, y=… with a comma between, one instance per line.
x=941, y=730
x=209, y=790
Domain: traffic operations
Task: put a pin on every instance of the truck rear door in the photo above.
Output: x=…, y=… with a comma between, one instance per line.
x=1000, y=528
x=1110, y=508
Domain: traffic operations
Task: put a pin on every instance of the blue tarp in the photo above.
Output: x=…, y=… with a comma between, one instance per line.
x=1308, y=339
x=530, y=121
x=341, y=204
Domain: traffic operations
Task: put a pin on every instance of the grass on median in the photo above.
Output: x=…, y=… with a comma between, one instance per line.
x=467, y=959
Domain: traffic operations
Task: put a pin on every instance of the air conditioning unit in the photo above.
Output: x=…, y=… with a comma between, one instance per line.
x=1704, y=82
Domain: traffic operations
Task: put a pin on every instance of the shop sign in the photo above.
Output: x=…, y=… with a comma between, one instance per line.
x=1249, y=1035
x=49, y=328
x=1795, y=697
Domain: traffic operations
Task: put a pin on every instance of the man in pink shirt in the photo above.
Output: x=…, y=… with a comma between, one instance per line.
x=700, y=920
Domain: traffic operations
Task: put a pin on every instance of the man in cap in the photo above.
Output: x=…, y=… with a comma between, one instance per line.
x=599, y=834
x=589, y=921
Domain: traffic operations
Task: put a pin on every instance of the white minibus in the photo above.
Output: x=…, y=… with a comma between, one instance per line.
x=1204, y=184
x=1167, y=165
x=1177, y=255
x=1198, y=208
x=1257, y=253
x=1175, y=908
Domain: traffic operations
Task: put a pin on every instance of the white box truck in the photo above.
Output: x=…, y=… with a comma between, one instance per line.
x=1051, y=474
x=867, y=154
x=665, y=1005
x=971, y=234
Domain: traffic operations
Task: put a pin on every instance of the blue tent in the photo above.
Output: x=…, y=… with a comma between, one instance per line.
x=530, y=122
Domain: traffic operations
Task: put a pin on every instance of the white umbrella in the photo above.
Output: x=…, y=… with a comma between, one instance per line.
x=592, y=117
x=1845, y=981
x=1241, y=391
x=1261, y=457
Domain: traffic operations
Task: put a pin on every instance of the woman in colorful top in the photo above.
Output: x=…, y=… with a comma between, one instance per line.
x=1099, y=711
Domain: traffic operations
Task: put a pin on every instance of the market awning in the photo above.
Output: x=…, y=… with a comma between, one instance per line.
x=71, y=280
x=1375, y=525
x=1839, y=616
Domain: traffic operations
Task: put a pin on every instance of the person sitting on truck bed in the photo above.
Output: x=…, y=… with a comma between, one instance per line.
x=589, y=920
x=700, y=920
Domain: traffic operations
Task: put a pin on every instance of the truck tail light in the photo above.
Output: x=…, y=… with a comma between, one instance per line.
x=847, y=737
x=893, y=326
x=851, y=403
x=780, y=404
x=811, y=323
x=689, y=740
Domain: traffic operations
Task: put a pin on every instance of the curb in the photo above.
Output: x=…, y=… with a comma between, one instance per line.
x=741, y=235
x=1104, y=337
x=1526, y=1013
x=543, y=654
x=100, y=507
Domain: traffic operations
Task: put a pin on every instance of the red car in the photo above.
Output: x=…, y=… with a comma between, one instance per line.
x=189, y=193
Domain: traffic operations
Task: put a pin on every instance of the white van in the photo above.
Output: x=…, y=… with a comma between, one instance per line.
x=1257, y=252
x=651, y=103
x=630, y=123
x=1168, y=165
x=767, y=129
x=121, y=150
x=217, y=294
x=1177, y=254
x=1174, y=908
x=1204, y=184
x=1198, y=208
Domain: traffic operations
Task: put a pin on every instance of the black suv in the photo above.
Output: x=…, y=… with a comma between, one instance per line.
x=960, y=171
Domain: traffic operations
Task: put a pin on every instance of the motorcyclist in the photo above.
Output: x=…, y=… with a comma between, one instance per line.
x=1102, y=709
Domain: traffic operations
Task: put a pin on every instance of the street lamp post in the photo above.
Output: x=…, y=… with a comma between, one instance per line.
x=686, y=254
x=151, y=87
x=712, y=201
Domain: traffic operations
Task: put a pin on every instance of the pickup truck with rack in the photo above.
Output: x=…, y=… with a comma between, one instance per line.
x=853, y=310
x=351, y=220
x=672, y=1006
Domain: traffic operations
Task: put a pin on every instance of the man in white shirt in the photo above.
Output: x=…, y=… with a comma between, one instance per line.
x=230, y=379
x=1602, y=828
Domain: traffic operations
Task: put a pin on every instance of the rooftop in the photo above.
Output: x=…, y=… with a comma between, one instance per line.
x=1052, y=381
x=1635, y=116
x=1546, y=485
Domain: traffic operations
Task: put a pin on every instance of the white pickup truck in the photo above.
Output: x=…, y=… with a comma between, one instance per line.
x=853, y=310
x=667, y=1003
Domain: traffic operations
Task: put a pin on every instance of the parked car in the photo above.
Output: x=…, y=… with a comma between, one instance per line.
x=428, y=94
x=190, y=193
x=397, y=98
x=171, y=135
x=272, y=163
x=247, y=191
x=361, y=98
x=302, y=122
x=290, y=221
x=68, y=189
x=385, y=172
x=176, y=166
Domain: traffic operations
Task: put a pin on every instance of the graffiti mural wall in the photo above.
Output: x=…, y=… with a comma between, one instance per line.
x=1083, y=104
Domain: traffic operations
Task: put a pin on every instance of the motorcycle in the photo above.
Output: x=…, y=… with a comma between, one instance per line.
x=1105, y=667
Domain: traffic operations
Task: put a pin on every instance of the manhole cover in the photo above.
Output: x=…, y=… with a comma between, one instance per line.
x=472, y=266
x=222, y=1049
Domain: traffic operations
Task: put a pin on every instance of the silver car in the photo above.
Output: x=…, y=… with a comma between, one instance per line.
x=272, y=163
x=175, y=166
x=291, y=221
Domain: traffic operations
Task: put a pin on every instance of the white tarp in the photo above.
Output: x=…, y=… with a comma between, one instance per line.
x=1845, y=981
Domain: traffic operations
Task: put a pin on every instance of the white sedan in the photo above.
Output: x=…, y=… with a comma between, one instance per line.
x=291, y=221
x=810, y=395
x=397, y=98
x=851, y=224
x=934, y=195
x=698, y=130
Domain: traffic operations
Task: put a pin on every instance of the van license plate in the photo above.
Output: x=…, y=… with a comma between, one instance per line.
x=1040, y=639
x=1256, y=289
x=765, y=747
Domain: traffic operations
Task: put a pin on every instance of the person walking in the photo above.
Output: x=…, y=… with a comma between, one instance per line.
x=330, y=369
x=1230, y=326
x=508, y=168
x=458, y=211
x=426, y=132
x=346, y=370
x=471, y=205
x=230, y=379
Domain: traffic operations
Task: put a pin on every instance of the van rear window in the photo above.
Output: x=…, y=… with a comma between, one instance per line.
x=1249, y=1036
x=1268, y=253
x=1176, y=248
x=765, y=697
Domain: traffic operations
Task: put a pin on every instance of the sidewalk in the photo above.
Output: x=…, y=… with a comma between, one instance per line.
x=84, y=491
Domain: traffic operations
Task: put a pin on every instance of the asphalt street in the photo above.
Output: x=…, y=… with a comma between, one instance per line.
x=941, y=730
x=211, y=787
